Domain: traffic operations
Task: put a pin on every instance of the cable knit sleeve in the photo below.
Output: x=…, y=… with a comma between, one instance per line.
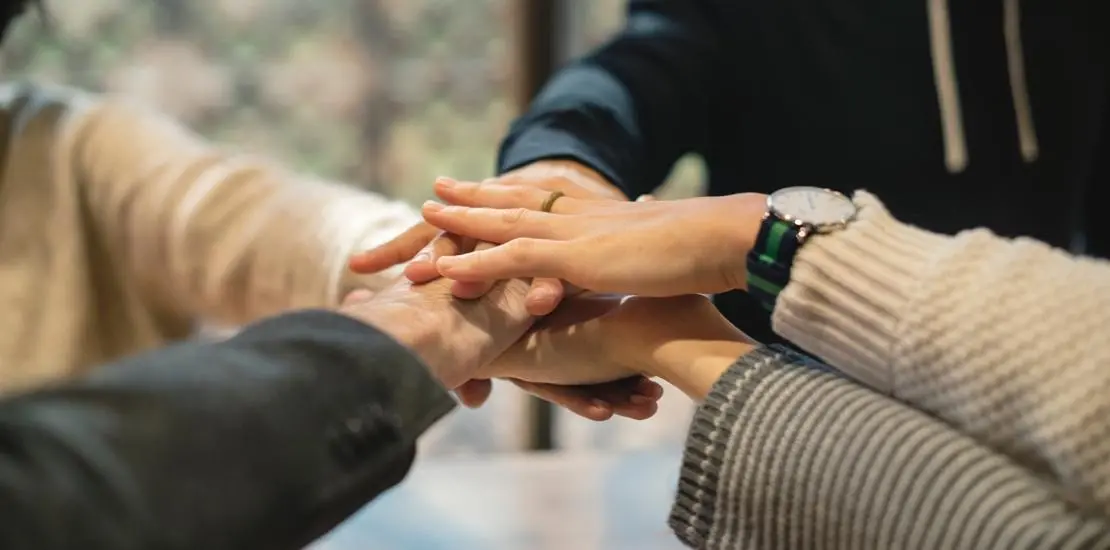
x=1006, y=340
x=225, y=237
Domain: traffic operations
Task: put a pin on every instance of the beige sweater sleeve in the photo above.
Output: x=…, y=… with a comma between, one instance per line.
x=215, y=235
x=1006, y=340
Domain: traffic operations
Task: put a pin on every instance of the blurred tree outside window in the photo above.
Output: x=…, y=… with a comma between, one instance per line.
x=385, y=94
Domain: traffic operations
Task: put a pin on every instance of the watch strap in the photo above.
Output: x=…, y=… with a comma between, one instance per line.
x=770, y=260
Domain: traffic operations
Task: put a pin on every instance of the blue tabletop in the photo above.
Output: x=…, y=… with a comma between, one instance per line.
x=552, y=501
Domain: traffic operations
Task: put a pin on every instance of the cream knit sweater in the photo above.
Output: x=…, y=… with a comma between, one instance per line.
x=1007, y=341
x=120, y=230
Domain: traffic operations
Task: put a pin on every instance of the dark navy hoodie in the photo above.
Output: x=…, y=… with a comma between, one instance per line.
x=957, y=114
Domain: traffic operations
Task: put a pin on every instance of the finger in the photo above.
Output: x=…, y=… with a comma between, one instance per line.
x=629, y=397
x=645, y=198
x=573, y=398
x=544, y=296
x=422, y=268
x=501, y=196
x=645, y=388
x=497, y=225
x=637, y=411
x=635, y=397
x=398, y=250
x=517, y=259
x=472, y=290
x=474, y=393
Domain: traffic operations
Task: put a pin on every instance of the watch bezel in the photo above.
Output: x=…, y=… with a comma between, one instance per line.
x=809, y=226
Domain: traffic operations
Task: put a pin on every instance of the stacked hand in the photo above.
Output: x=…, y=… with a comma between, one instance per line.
x=587, y=350
x=683, y=339
x=657, y=248
x=423, y=244
x=459, y=340
x=569, y=178
x=593, y=240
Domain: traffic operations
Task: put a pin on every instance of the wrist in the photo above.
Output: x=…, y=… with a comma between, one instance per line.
x=416, y=330
x=743, y=218
x=690, y=350
x=694, y=366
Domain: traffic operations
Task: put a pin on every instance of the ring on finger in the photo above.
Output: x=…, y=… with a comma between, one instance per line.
x=550, y=202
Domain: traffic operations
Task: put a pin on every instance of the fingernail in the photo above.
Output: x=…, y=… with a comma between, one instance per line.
x=422, y=257
x=541, y=295
x=640, y=400
x=599, y=403
x=445, y=181
x=433, y=206
x=446, y=262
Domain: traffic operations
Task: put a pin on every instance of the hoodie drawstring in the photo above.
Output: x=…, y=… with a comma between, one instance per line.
x=948, y=93
x=1015, y=62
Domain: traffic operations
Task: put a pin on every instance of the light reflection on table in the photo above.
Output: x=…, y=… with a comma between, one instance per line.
x=554, y=501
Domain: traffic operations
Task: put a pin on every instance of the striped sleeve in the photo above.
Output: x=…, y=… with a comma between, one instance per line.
x=786, y=455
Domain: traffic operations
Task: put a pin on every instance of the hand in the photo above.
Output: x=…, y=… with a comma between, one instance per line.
x=569, y=177
x=683, y=339
x=458, y=339
x=652, y=248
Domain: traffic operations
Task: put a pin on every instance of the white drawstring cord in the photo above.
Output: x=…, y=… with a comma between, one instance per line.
x=948, y=94
x=1015, y=62
x=948, y=90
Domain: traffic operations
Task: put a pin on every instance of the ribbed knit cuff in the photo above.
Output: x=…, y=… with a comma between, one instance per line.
x=707, y=442
x=848, y=289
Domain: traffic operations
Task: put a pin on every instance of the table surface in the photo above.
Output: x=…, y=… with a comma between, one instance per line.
x=550, y=501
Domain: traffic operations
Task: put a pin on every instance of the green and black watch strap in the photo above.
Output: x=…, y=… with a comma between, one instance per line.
x=770, y=260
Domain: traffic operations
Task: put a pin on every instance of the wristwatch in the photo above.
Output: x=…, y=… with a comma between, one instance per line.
x=793, y=214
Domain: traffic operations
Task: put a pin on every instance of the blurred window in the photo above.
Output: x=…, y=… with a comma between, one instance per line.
x=386, y=94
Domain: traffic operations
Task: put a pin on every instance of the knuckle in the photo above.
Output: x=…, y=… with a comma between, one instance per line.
x=564, y=184
x=521, y=250
x=522, y=194
x=442, y=246
x=553, y=183
x=512, y=179
x=514, y=216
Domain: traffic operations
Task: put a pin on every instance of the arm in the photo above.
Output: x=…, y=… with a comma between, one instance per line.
x=783, y=453
x=786, y=454
x=206, y=233
x=266, y=440
x=1004, y=339
x=635, y=106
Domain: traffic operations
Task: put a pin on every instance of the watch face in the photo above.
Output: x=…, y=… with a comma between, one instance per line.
x=821, y=208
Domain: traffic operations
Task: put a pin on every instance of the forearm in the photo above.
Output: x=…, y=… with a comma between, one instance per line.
x=633, y=107
x=266, y=440
x=229, y=237
x=1006, y=340
x=694, y=366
